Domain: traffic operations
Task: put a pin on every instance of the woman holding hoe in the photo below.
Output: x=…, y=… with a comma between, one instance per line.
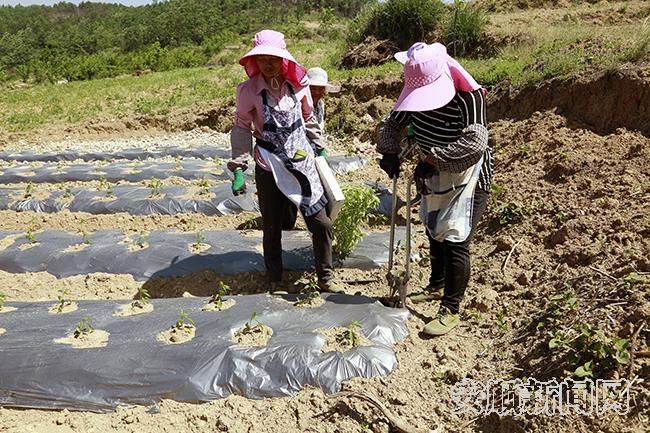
x=446, y=109
x=274, y=106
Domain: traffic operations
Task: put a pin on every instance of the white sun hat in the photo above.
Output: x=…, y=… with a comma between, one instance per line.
x=318, y=77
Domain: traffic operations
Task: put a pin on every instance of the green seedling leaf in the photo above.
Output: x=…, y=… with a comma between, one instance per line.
x=83, y=328
x=585, y=370
x=184, y=321
x=155, y=185
x=63, y=299
x=143, y=298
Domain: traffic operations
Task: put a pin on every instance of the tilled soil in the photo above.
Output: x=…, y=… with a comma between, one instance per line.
x=576, y=205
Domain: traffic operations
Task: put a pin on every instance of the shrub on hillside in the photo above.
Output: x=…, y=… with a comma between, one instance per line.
x=464, y=28
x=401, y=21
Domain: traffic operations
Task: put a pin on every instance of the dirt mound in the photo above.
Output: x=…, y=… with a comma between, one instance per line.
x=601, y=102
x=370, y=52
x=491, y=44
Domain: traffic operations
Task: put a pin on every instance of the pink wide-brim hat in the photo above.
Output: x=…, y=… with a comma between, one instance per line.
x=431, y=78
x=271, y=43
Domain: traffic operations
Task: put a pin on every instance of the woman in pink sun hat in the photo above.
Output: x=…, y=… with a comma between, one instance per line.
x=275, y=107
x=445, y=108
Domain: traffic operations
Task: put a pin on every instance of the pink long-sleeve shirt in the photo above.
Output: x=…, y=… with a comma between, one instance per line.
x=249, y=103
x=249, y=115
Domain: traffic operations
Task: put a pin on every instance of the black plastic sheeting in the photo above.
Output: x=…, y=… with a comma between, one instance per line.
x=135, y=368
x=203, y=152
x=135, y=200
x=190, y=169
x=169, y=253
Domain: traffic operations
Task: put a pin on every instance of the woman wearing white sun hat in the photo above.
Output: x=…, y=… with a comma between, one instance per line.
x=319, y=86
x=446, y=108
x=274, y=106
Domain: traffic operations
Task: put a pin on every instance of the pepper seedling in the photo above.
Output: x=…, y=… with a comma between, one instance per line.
x=85, y=236
x=309, y=293
x=248, y=327
x=30, y=236
x=103, y=183
x=155, y=185
x=83, y=328
x=352, y=334
x=29, y=189
x=184, y=322
x=143, y=298
x=63, y=300
x=199, y=239
x=204, y=185
x=217, y=298
x=143, y=239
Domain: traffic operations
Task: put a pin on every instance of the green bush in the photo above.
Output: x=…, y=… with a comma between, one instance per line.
x=359, y=201
x=402, y=21
x=464, y=28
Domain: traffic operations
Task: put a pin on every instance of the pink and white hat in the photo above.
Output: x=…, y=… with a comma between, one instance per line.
x=271, y=43
x=431, y=78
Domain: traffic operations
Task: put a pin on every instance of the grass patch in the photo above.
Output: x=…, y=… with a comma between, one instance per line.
x=559, y=43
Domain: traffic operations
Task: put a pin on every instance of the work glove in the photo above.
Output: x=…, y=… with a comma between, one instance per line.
x=423, y=171
x=390, y=164
x=238, y=184
x=322, y=152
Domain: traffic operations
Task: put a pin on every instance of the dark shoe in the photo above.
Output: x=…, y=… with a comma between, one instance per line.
x=278, y=288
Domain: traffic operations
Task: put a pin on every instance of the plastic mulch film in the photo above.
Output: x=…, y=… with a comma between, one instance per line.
x=135, y=368
x=135, y=200
x=204, y=152
x=165, y=253
x=189, y=169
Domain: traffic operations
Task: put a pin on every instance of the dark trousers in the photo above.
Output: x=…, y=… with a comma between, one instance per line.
x=279, y=213
x=450, y=262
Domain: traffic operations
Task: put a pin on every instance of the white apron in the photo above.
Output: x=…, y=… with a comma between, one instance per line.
x=295, y=175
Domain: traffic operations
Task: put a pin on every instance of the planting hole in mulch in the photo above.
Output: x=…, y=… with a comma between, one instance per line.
x=340, y=339
x=76, y=247
x=133, y=309
x=94, y=338
x=28, y=245
x=252, y=334
x=177, y=334
x=198, y=248
x=212, y=306
x=66, y=307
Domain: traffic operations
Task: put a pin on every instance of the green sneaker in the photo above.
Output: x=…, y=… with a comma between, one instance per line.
x=330, y=286
x=444, y=322
x=426, y=295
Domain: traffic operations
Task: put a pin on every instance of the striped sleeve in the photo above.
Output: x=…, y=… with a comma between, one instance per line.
x=473, y=142
x=473, y=107
x=465, y=152
x=388, y=133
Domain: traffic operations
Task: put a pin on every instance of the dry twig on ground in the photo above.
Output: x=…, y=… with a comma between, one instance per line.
x=395, y=421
